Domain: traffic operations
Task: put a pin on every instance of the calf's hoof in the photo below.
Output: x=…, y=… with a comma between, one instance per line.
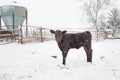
x=63, y=63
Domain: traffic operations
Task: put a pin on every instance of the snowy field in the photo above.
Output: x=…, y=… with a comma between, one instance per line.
x=33, y=61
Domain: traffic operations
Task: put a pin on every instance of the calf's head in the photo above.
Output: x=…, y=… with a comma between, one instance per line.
x=58, y=34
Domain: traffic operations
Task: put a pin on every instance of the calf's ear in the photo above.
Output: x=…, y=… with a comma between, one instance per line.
x=52, y=31
x=64, y=31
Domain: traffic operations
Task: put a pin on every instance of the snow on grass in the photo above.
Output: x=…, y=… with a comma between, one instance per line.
x=34, y=61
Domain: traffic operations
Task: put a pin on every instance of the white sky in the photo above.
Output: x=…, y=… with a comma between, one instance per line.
x=53, y=13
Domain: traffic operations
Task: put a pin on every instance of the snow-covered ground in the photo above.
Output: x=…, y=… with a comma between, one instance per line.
x=33, y=61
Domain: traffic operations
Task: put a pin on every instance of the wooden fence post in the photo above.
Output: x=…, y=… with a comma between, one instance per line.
x=0, y=21
x=20, y=35
x=41, y=39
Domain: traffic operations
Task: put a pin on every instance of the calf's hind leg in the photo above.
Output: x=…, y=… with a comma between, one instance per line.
x=88, y=53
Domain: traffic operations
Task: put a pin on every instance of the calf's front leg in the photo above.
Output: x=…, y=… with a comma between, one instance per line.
x=64, y=54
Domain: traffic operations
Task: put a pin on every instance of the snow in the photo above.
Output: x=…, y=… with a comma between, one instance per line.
x=34, y=61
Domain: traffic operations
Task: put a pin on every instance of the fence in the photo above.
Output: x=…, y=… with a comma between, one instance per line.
x=35, y=34
x=7, y=36
x=25, y=34
x=92, y=30
x=38, y=34
x=31, y=34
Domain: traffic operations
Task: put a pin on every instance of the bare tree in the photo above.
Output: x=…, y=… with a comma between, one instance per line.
x=103, y=22
x=92, y=9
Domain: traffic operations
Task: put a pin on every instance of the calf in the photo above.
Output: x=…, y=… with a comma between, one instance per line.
x=67, y=41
